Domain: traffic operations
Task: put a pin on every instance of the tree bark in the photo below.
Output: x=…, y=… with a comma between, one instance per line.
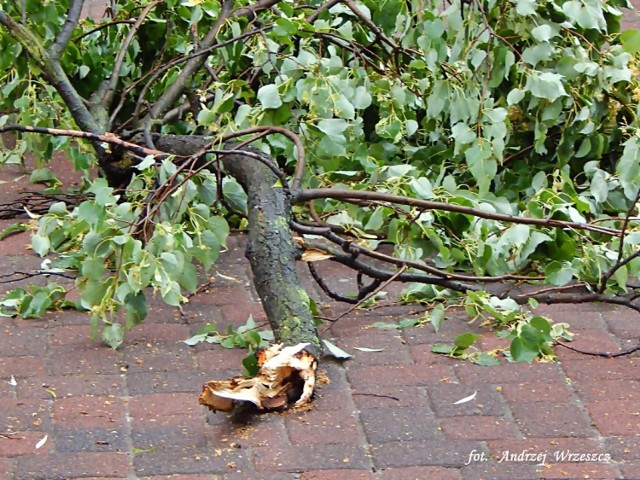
x=271, y=250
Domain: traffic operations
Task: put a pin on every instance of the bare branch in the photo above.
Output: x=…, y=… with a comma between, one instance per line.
x=353, y=196
x=55, y=75
x=62, y=40
x=173, y=92
x=109, y=138
x=117, y=64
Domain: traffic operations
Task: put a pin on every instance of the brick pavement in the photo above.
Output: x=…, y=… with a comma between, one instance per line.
x=383, y=415
x=386, y=415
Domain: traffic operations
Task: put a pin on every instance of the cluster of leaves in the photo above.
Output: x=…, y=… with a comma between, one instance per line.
x=245, y=336
x=523, y=108
x=531, y=336
x=98, y=241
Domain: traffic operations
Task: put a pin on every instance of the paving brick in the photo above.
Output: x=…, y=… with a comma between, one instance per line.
x=420, y=473
x=187, y=460
x=605, y=390
x=95, y=439
x=589, y=341
x=338, y=475
x=502, y=471
x=256, y=431
x=23, y=443
x=22, y=367
x=165, y=382
x=23, y=415
x=62, y=466
x=148, y=357
x=374, y=396
x=487, y=401
x=398, y=375
x=578, y=322
x=555, y=449
x=625, y=326
x=391, y=344
x=603, y=368
x=326, y=399
x=449, y=329
x=324, y=427
x=624, y=448
x=187, y=434
x=424, y=453
x=629, y=471
x=16, y=244
x=48, y=387
x=536, y=392
x=150, y=333
x=478, y=428
x=616, y=417
x=301, y=458
x=223, y=295
x=573, y=471
x=399, y=424
x=91, y=360
x=89, y=411
x=21, y=342
x=217, y=358
x=164, y=409
x=6, y=468
x=471, y=374
x=548, y=419
x=72, y=335
x=182, y=477
x=422, y=354
x=238, y=313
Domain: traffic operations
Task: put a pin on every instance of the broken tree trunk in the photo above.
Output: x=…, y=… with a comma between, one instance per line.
x=272, y=254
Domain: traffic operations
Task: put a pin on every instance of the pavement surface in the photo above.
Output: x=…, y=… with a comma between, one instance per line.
x=72, y=408
x=385, y=415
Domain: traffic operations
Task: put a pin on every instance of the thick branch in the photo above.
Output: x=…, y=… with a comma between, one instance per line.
x=272, y=253
x=171, y=94
x=55, y=75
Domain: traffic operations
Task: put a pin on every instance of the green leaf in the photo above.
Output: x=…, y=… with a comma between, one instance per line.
x=526, y=7
x=436, y=316
x=269, y=96
x=113, y=334
x=522, y=351
x=546, y=85
x=485, y=360
x=443, y=349
x=558, y=273
x=385, y=326
x=136, y=305
x=41, y=244
x=335, y=351
x=332, y=126
x=250, y=364
x=630, y=40
x=465, y=340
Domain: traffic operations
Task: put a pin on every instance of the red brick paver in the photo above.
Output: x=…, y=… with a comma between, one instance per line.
x=71, y=408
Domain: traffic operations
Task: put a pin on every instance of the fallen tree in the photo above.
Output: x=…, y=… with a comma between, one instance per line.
x=492, y=156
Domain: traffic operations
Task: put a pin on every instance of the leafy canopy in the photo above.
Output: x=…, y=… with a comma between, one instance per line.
x=527, y=108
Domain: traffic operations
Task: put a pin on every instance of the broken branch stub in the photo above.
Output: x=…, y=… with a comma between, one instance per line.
x=287, y=377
